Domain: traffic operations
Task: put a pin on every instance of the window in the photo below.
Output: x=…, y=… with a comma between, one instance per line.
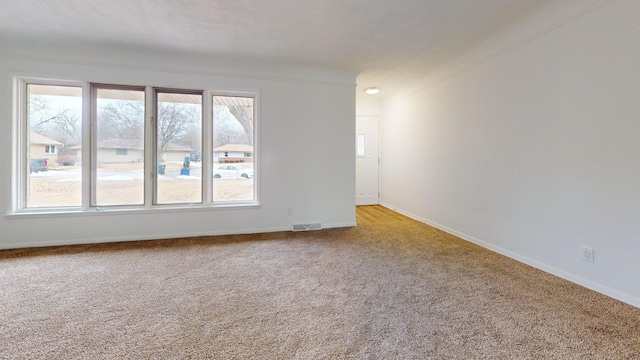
x=53, y=114
x=120, y=124
x=134, y=147
x=178, y=134
x=360, y=145
x=233, y=129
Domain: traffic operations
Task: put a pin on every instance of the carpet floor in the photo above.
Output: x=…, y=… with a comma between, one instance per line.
x=394, y=289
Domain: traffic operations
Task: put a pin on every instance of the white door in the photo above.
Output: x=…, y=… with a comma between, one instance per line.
x=367, y=160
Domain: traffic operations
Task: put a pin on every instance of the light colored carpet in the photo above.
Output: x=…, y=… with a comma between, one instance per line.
x=385, y=290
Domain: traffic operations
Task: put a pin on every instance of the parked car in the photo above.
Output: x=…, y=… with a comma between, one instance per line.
x=38, y=164
x=232, y=172
x=195, y=156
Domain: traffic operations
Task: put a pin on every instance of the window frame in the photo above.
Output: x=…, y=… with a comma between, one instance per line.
x=47, y=149
x=93, y=148
x=255, y=94
x=154, y=140
x=20, y=145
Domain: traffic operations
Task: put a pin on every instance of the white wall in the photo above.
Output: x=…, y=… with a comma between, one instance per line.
x=110, y=155
x=368, y=105
x=175, y=155
x=534, y=152
x=297, y=117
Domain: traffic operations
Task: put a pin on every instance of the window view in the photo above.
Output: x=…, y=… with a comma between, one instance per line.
x=233, y=152
x=119, y=146
x=179, y=145
x=126, y=146
x=54, y=116
x=360, y=145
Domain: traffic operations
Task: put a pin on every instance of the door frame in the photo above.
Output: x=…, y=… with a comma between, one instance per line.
x=379, y=154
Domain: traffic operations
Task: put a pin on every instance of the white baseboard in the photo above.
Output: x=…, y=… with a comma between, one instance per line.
x=98, y=240
x=339, y=225
x=631, y=300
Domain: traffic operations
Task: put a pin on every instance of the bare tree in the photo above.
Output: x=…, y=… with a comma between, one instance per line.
x=192, y=137
x=55, y=123
x=174, y=121
x=227, y=131
x=61, y=124
x=39, y=110
x=241, y=114
x=122, y=119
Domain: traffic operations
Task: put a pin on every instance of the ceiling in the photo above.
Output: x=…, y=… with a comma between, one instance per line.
x=388, y=43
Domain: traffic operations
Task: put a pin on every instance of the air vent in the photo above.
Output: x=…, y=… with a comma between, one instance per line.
x=307, y=227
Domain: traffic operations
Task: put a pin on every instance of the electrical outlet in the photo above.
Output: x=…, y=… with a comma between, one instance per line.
x=289, y=211
x=586, y=253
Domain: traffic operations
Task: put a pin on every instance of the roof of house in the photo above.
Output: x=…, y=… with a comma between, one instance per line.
x=135, y=144
x=36, y=138
x=234, y=147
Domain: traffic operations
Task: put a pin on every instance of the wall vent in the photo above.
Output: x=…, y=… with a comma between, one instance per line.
x=307, y=227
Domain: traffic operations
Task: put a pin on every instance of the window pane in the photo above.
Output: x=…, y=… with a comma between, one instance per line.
x=119, y=147
x=360, y=145
x=179, y=147
x=55, y=130
x=233, y=153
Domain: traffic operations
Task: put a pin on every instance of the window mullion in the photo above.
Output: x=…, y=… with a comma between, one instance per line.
x=207, y=148
x=21, y=148
x=90, y=143
x=150, y=144
x=256, y=147
x=85, y=146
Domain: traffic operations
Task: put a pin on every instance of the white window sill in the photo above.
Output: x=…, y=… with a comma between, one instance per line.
x=75, y=212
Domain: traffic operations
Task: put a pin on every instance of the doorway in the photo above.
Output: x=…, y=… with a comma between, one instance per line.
x=367, y=160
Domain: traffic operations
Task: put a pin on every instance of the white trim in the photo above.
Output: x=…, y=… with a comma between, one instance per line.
x=631, y=300
x=164, y=236
x=85, y=150
x=206, y=157
x=150, y=146
x=20, y=148
x=339, y=225
x=93, y=148
x=257, y=154
x=129, y=210
x=379, y=131
x=144, y=237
